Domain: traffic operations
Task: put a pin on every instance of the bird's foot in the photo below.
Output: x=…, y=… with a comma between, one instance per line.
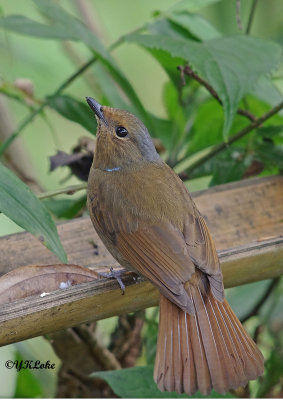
x=116, y=275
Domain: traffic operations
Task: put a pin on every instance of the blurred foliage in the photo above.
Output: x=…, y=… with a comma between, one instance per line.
x=137, y=382
x=237, y=56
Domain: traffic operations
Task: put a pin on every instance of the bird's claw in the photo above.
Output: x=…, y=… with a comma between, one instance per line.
x=116, y=275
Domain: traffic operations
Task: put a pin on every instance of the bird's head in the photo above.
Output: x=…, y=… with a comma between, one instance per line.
x=122, y=139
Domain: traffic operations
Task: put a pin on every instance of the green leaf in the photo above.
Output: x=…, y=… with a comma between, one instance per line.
x=207, y=126
x=168, y=28
x=192, y=5
x=71, y=26
x=150, y=341
x=269, y=154
x=168, y=63
x=174, y=110
x=202, y=183
x=74, y=110
x=26, y=26
x=9, y=376
x=78, y=30
x=273, y=373
x=228, y=166
x=196, y=25
x=27, y=384
x=83, y=34
x=240, y=298
x=19, y=203
x=231, y=65
x=268, y=146
x=189, y=161
x=266, y=91
x=137, y=382
x=164, y=127
x=64, y=26
x=269, y=131
x=65, y=208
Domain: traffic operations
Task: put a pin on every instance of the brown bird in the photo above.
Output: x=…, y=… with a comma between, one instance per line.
x=147, y=220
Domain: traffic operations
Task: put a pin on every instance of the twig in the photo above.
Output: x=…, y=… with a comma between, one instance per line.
x=188, y=71
x=216, y=149
x=126, y=340
x=238, y=15
x=99, y=352
x=251, y=17
x=68, y=190
x=262, y=300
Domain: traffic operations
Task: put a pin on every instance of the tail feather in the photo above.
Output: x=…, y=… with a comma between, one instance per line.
x=203, y=379
x=161, y=359
x=254, y=360
x=210, y=349
x=189, y=372
x=169, y=379
x=212, y=343
x=177, y=354
x=230, y=348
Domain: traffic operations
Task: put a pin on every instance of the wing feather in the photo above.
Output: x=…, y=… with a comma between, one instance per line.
x=203, y=252
x=160, y=254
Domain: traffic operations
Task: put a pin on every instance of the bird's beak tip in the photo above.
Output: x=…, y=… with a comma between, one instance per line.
x=96, y=108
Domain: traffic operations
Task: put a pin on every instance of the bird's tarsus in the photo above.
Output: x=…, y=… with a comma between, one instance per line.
x=116, y=275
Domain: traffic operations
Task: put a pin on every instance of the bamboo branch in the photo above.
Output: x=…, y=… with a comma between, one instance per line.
x=99, y=299
x=188, y=71
x=218, y=148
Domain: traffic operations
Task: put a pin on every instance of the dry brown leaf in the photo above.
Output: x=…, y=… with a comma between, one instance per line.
x=34, y=280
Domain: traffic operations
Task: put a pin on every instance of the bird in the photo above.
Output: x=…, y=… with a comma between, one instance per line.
x=146, y=218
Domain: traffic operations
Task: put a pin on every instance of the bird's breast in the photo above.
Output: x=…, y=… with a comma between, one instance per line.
x=139, y=198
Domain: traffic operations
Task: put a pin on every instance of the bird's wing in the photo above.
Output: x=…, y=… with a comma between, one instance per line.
x=202, y=251
x=200, y=244
x=160, y=254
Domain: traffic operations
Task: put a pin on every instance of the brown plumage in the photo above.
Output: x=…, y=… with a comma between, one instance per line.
x=149, y=223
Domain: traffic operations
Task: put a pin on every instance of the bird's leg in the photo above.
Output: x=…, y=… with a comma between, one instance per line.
x=116, y=275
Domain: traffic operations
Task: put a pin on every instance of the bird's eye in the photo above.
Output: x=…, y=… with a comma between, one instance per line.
x=121, y=131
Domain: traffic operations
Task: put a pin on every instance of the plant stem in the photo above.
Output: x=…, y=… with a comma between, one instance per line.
x=188, y=71
x=38, y=110
x=73, y=77
x=238, y=14
x=251, y=17
x=57, y=92
x=25, y=122
x=67, y=190
x=216, y=149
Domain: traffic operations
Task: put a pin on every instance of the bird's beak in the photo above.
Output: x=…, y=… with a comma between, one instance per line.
x=96, y=107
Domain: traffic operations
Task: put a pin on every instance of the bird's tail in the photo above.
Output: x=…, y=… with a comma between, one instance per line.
x=210, y=349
